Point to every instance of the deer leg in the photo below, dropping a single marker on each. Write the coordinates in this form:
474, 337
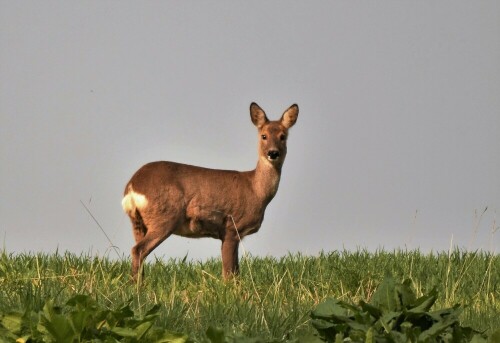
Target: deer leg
153, 237
230, 265
139, 231
139, 228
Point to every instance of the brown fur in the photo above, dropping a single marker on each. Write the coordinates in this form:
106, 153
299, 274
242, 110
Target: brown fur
164, 198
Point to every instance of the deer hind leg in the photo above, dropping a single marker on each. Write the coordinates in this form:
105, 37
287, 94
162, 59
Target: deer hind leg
138, 227
154, 236
139, 230
230, 264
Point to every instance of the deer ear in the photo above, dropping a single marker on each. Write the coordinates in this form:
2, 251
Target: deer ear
258, 115
290, 116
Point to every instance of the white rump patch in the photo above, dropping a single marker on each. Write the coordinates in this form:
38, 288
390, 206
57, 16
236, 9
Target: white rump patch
133, 201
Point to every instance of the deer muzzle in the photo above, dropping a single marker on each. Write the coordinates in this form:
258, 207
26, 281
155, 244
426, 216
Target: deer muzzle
273, 154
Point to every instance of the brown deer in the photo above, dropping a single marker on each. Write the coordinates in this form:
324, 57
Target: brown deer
164, 198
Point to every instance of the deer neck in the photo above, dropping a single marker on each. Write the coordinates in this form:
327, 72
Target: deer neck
266, 179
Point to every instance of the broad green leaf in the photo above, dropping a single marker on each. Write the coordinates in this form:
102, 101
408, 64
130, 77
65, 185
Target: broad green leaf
372, 310
421, 320
388, 320
142, 329
391, 296
82, 301
357, 335
101, 319
153, 310
425, 302
396, 336
122, 313
385, 297
55, 325
358, 326
12, 322
79, 320
170, 337
322, 324
6, 335
149, 318
58, 327
447, 312
405, 294
370, 336
124, 332
329, 308
436, 329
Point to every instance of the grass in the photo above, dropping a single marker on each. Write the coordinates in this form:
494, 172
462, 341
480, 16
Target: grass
272, 298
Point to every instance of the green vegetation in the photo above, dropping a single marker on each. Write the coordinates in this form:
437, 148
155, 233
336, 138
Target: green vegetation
271, 300
81, 320
394, 314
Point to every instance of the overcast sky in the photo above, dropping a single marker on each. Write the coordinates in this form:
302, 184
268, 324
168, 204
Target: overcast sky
397, 144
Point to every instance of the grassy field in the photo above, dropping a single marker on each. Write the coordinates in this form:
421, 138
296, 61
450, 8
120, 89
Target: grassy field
272, 298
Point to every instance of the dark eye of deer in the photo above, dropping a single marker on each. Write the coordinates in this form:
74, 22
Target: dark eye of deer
282, 137
264, 137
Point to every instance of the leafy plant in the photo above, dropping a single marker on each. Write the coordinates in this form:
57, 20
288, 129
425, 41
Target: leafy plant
394, 314
81, 320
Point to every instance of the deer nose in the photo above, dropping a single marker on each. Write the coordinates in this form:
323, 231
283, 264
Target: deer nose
273, 154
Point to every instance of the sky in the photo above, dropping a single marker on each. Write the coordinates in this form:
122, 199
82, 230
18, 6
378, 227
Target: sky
397, 144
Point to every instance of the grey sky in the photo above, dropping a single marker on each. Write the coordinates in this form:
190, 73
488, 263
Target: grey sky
397, 142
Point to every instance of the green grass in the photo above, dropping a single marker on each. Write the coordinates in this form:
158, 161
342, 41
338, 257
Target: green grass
272, 298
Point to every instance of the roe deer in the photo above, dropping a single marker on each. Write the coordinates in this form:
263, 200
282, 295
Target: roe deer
164, 198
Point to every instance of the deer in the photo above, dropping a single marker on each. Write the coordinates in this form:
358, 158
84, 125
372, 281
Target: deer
164, 198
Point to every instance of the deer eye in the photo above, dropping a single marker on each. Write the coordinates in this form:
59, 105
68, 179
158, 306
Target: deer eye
264, 137
282, 137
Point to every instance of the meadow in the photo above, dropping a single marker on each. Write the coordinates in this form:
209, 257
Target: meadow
272, 298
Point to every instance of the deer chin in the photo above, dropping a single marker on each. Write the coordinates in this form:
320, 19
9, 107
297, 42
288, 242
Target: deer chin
274, 162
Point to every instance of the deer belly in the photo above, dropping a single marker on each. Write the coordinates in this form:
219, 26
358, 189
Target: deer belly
202, 223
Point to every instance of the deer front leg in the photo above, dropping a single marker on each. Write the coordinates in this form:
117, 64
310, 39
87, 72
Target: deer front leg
230, 266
